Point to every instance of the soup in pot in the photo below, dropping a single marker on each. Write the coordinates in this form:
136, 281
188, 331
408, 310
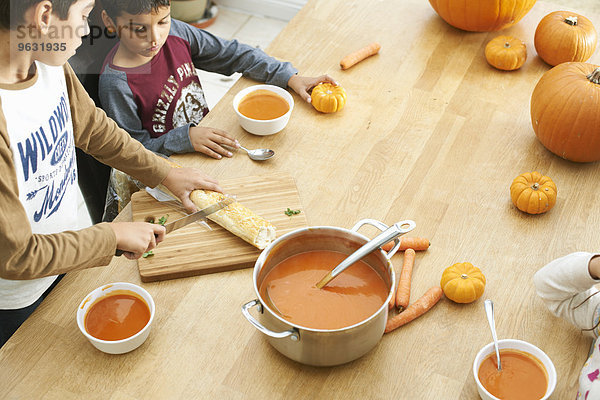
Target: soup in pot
351, 297
118, 315
523, 376
263, 104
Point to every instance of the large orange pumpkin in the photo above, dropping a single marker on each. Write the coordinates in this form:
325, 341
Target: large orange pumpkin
482, 15
563, 36
565, 111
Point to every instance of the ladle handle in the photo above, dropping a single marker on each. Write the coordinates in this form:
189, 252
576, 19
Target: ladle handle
489, 312
399, 228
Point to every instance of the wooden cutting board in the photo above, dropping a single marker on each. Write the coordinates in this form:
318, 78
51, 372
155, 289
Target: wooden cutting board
195, 250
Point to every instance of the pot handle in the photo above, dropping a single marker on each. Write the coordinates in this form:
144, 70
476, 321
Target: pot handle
293, 334
405, 226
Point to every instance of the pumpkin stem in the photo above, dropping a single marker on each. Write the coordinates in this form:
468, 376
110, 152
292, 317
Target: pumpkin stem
506, 45
594, 77
571, 21
464, 276
535, 186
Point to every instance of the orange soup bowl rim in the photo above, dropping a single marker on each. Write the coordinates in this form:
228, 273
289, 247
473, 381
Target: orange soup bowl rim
263, 127
115, 346
520, 345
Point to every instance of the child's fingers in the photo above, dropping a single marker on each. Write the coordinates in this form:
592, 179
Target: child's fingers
327, 78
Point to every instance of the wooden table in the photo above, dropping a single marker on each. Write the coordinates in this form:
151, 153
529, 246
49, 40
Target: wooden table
431, 133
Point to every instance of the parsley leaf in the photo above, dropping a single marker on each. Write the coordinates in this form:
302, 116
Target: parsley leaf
289, 212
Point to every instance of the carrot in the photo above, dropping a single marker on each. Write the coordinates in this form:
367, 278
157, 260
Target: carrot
415, 243
416, 309
359, 55
403, 291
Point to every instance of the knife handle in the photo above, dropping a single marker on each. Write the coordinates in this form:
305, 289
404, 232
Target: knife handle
120, 252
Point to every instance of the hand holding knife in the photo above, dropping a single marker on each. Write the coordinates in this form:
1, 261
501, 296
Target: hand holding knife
188, 219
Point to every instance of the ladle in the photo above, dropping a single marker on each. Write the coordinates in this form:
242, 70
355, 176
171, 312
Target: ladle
391, 233
489, 312
258, 154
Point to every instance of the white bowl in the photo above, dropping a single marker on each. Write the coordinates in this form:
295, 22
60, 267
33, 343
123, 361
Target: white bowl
517, 345
263, 127
115, 346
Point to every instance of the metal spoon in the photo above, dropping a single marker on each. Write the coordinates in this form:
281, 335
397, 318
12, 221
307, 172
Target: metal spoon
399, 228
489, 312
259, 154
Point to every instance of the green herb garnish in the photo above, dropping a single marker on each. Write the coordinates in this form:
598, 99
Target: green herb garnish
163, 220
289, 212
148, 254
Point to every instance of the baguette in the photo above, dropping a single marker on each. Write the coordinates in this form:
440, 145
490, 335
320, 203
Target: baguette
236, 218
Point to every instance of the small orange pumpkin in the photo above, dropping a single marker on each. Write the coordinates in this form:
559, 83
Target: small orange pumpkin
563, 36
564, 111
463, 282
328, 98
506, 53
533, 193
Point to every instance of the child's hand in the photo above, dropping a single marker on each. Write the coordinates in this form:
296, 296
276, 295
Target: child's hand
210, 141
182, 181
136, 238
302, 84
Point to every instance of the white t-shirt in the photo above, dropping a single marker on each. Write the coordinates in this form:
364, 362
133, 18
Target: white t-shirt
564, 284
38, 118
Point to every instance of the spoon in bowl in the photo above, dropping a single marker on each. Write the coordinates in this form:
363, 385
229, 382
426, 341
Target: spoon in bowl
258, 154
489, 312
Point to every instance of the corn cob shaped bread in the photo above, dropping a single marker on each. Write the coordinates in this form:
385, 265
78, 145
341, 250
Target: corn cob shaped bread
236, 218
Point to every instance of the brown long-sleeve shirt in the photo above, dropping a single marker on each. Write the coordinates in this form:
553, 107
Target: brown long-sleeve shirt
24, 255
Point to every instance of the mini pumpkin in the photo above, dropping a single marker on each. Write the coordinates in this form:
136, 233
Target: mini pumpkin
463, 282
328, 98
564, 36
506, 53
533, 193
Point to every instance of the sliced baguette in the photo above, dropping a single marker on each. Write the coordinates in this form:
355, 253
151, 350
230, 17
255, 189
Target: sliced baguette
236, 218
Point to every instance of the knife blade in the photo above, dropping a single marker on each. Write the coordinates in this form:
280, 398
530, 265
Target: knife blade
188, 219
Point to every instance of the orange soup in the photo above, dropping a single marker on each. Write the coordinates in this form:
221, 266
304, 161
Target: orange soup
263, 104
523, 376
353, 296
117, 316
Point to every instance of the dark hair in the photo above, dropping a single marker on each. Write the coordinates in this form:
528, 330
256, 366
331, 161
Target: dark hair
114, 8
12, 12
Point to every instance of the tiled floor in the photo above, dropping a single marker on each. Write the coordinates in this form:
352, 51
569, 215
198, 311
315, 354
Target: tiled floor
253, 30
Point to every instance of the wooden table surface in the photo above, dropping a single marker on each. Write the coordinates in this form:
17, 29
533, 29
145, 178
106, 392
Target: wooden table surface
431, 133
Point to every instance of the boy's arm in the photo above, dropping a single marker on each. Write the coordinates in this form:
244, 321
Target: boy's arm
118, 102
99, 136
26, 255
215, 54
564, 284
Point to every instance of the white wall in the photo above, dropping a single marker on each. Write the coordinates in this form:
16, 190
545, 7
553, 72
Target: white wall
280, 9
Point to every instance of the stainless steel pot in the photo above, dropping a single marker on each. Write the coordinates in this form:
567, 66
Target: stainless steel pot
322, 347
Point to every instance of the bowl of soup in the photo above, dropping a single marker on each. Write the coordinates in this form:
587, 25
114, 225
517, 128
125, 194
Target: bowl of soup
527, 372
263, 109
116, 318
321, 327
